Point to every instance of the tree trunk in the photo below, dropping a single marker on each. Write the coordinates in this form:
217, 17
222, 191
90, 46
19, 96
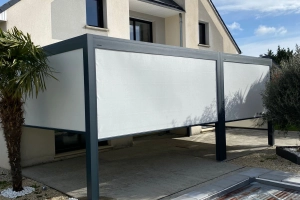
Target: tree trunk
11, 115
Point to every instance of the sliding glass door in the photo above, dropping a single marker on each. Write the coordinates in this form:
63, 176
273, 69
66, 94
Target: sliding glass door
140, 30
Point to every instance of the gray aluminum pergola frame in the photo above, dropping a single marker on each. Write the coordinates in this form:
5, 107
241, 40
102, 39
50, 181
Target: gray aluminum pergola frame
89, 43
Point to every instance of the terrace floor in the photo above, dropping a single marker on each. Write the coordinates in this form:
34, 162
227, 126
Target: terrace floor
157, 166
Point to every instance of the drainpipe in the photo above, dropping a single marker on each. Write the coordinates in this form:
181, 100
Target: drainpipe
180, 24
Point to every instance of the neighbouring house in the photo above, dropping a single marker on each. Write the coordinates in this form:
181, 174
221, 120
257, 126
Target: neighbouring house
188, 23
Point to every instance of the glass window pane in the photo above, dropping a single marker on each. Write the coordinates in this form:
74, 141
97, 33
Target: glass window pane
143, 31
137, 29
131, 30
202, 36
140, 30
92, 12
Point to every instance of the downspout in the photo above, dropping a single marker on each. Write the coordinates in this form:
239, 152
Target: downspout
180, 27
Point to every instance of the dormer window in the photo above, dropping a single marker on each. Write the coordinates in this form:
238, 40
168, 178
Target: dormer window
94, 13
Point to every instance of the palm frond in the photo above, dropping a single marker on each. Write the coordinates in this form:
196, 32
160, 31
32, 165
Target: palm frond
23, 65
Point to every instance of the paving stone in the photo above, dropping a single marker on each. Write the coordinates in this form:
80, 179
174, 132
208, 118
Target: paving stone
281, 173
237, 178
276, 175
255, 172
205, 192
225, 183
185, 197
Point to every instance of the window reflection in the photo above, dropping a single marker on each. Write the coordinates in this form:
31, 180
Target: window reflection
140, 30
94, 15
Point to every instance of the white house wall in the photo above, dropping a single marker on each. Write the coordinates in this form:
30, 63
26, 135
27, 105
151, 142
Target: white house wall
62, 19
34, 17
62, 105
190, 25
37, 146
141, 92
3, 152
118, 18
219, 39
68, 19
172, 30
243, 85
3, 26
216, 34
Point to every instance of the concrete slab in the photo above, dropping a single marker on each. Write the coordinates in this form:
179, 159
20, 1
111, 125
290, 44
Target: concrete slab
276, 175
225, 183
255, 172
157, 166
293, 179
185, 197
204, 192
151, 169
237, 178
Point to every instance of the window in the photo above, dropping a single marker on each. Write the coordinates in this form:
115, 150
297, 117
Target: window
203, 34
94, 13
140, 30
67, 141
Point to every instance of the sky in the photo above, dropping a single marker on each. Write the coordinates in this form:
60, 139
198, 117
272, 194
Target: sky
259, 25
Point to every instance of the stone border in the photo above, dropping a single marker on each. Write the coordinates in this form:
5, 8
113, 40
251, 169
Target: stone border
280, 151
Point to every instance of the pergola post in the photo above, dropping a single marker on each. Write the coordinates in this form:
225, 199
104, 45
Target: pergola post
220, 125
271, 139
92, 163
189, 131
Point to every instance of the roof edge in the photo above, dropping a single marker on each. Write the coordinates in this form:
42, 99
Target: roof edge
7, 5
178, 7
226, 28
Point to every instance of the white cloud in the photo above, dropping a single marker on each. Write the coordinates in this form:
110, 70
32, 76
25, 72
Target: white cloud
261, 47
265, 6
235, 26
265, 30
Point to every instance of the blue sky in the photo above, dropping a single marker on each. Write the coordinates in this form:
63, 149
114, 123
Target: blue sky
259, 25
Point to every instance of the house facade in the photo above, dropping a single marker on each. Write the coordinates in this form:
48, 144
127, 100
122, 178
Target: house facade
187, 23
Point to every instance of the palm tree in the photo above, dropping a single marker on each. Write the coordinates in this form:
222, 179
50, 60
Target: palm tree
23, 71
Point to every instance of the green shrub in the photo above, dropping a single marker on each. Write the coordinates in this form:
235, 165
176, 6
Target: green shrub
282, 95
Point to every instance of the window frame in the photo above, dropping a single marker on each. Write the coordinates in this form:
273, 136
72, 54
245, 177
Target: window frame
206, 33
100, 14
134, 20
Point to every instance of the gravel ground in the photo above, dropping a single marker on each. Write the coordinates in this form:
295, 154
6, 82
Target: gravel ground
267, 159
39, 194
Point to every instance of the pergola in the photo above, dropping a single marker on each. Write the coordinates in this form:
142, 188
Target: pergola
112, 88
